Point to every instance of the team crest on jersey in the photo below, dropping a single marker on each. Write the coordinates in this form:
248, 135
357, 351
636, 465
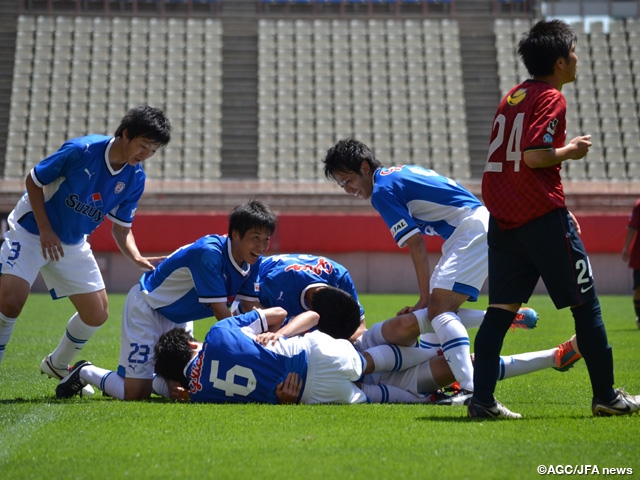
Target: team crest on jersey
398, 227
517, 96
547, 138
119, 187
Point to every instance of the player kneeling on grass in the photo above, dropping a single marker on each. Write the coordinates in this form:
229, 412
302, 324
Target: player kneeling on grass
195, 282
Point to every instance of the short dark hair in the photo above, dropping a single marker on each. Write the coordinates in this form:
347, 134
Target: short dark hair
172, 354
148, 122
253, 214
543, 44
347, 156
339, 312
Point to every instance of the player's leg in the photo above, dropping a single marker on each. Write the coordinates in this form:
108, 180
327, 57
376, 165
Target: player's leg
20, 261
394, 358
14, 292
512, 279
452, 335
91, 313
636, 295
566, 272
382, 393
77, 276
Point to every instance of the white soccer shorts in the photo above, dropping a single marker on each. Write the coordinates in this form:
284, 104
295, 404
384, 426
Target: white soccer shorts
77, 272
141, 329
464, 264
333, 366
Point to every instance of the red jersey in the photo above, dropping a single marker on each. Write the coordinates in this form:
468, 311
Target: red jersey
634, 222
530, 117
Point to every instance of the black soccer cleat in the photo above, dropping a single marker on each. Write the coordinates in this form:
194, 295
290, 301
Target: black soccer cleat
71, 385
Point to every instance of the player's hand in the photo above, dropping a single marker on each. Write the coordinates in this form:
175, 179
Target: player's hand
148, 263
289, 390
575, 223
579, 147
418, 306
51, 245
268, 338
625, 254
177, 392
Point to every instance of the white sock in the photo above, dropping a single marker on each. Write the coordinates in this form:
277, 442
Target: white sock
426, 382
6, 329
470, 318
160, 387
522, 363
429, 341
106, 380
393, 358
424, 322
389, 394
455, 347
73, 340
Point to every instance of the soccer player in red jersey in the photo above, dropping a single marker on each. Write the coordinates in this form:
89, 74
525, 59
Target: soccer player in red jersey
532, 235
633, 256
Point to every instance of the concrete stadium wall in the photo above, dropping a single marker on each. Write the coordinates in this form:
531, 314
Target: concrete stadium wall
360, 241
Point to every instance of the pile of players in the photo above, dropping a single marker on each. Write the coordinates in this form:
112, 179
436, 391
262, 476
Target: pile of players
289, 327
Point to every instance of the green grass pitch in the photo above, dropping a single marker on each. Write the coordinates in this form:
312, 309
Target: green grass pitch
98, 437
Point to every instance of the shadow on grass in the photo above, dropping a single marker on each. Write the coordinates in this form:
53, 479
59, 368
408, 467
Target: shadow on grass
75, 400
464, 419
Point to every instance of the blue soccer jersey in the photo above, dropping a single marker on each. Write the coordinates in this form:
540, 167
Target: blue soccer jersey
413, 199
232, 367
284, 280
196, 275
81, 188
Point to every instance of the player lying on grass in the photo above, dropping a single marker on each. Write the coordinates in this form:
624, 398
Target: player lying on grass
338, 317
232, 367
68, 195
422, 371
197, 281
289, 281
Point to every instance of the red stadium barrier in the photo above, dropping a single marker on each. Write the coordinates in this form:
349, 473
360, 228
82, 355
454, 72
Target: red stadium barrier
326, 233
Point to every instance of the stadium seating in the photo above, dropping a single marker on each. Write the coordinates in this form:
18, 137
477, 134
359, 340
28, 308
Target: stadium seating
394, 83
79, 75
602, 101
380, 81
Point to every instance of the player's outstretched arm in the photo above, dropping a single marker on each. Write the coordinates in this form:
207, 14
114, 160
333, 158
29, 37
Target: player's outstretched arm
127, 244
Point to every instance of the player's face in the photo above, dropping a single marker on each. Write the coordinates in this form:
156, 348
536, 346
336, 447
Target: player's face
357, 184
572, 64
138, 149
250, 247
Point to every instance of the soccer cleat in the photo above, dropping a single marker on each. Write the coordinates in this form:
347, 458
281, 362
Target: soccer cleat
72, 384
622, 404
638, 322
47, 368
566, 355
476, 409
461, 397
526, 318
